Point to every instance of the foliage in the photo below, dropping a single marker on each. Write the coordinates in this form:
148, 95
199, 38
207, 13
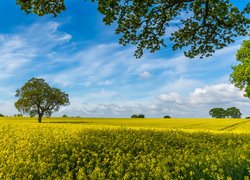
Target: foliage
203, 26
241, 72
36, 97
1, 115
247, 117
18, 115
138, 116
167, 116
33, 151
233, 112
141, 116
217, 113
64, 116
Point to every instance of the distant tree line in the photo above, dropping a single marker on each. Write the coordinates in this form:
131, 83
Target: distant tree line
18, 115
138, 116
143, 116
231, 112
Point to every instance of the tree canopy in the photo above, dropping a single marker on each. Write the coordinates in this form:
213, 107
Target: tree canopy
241, 72
201, 26
167, 116
137, 116
36, 97
233, 112
217, 113
134, 116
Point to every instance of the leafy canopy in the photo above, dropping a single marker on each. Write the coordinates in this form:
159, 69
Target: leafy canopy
217, 113
138, 116
202, 26
241, 72
233, 112
36, 97
134, 116
167, 116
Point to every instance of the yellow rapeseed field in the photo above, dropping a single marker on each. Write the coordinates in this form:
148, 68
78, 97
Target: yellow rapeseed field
99, 148
187, 124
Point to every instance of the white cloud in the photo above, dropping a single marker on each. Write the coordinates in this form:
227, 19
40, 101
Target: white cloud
171, 98
105, 83
103, 78
219, 93
144, 75
15, 53
45, 35
196, 104
20, 50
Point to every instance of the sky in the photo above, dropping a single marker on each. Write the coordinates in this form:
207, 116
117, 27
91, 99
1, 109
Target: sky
77, 53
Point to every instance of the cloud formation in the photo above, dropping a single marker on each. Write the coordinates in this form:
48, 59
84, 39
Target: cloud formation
104, 79
144, 75
196, 104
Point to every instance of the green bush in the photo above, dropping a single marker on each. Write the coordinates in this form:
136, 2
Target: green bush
141, 116
138, 116
18, 115
167, 116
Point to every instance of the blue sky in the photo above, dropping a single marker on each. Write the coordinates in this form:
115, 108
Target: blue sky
77, 53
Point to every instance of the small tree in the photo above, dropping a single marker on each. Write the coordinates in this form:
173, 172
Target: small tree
36, 97
141, 116
1, 115
233, 112
167, 116
64, 116
217, 113
134, 116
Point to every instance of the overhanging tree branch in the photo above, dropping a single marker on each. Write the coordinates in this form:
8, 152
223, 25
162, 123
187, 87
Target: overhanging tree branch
145, 23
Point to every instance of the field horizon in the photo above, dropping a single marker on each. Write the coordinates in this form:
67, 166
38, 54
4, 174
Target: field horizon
194, 124
124, 148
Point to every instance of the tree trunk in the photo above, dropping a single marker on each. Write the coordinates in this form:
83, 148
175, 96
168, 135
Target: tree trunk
40, 118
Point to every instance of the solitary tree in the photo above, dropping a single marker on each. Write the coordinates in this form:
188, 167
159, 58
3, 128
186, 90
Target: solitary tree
167, 116
241, 72
202, 26
217, 113
141, 116
134, 116
36, 97
233, 112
